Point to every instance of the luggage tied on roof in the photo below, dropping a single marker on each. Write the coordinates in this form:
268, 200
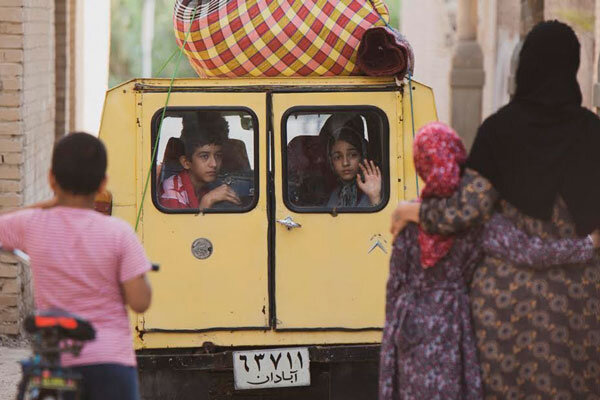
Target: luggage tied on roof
253, 38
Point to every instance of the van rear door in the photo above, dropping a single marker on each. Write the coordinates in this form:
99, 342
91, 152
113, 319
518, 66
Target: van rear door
214, 265
331, 261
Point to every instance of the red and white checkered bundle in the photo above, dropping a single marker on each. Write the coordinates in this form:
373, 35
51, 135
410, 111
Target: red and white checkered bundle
229, 38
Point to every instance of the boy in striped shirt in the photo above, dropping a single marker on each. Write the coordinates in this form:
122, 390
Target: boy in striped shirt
86, 263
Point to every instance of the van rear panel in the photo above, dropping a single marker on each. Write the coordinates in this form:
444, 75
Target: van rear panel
289, 266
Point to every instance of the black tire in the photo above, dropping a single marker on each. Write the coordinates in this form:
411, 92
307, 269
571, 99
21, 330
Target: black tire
21, 388
50, 394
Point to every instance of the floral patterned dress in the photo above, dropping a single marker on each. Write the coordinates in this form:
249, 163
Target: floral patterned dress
537, 327
428, 346
428, 349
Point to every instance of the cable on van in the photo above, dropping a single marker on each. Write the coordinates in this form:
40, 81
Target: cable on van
410, 89
412, 121
162, 117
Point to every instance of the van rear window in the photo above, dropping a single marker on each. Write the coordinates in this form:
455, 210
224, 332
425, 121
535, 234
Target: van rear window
335, 160
205, 160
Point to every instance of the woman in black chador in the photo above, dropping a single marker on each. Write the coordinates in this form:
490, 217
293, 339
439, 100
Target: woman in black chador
536, 162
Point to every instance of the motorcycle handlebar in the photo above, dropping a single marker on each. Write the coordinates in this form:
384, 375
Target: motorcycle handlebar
22, 255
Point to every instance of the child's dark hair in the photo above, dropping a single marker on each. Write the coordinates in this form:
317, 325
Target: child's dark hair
202, 128
79, 163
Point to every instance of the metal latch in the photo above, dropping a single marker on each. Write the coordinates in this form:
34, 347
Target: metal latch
289, 223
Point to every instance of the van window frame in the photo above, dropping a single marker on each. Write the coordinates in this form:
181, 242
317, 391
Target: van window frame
155, 121
385, 167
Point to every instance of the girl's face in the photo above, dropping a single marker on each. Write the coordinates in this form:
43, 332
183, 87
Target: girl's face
345, 159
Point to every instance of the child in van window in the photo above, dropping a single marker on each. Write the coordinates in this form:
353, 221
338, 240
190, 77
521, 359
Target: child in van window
85, 263
359, 179
197, 186
428, 349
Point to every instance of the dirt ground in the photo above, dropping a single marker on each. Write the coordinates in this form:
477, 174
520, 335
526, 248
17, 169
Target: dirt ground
11, 351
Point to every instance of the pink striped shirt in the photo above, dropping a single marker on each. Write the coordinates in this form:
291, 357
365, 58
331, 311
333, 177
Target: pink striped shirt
79, 258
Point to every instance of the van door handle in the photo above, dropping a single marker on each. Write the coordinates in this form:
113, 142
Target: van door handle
289, 223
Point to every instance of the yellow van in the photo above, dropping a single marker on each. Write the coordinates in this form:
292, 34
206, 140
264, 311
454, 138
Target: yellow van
280, 294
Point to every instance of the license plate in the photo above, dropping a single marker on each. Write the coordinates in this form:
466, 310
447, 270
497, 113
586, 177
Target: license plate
272, 368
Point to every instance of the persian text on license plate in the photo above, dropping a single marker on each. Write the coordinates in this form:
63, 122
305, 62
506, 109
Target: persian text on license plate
272, 368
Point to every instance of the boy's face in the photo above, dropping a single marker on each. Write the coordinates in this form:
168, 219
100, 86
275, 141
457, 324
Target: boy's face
205, 163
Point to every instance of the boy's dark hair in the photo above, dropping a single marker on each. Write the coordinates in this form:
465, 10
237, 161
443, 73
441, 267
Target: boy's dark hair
79, 163
202, 128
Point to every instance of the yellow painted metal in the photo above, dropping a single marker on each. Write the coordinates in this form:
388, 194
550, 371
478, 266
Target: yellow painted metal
424, 111
257, 338
118, 131
229, 289
324, 276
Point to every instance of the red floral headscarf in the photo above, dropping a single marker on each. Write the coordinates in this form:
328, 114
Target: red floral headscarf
438, 154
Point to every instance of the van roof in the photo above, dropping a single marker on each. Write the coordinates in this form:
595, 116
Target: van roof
263, 83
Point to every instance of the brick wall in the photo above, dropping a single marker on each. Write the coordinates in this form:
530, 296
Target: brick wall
72, 11
62, 57
27, 130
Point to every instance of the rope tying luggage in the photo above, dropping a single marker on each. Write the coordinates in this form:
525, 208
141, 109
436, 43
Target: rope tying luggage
162, 117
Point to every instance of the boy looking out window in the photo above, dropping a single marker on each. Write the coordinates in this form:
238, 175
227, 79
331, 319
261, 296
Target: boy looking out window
85, 263
197, 185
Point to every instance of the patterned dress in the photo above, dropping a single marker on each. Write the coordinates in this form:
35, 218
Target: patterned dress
538, 327
428, 346
428, 349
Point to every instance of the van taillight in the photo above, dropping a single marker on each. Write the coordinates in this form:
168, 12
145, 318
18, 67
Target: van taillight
103, 202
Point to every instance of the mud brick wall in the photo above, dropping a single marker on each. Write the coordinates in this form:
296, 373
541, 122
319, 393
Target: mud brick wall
64, 26
27, 131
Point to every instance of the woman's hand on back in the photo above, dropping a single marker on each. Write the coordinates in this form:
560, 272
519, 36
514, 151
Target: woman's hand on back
371, 186
405, 212
595, 236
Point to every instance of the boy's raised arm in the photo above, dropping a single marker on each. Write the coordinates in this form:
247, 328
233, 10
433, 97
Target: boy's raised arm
42, 204
12, 229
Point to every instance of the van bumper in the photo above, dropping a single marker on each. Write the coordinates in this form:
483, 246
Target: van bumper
348, 372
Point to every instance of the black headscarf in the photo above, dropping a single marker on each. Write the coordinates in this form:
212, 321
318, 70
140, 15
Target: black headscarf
543, 144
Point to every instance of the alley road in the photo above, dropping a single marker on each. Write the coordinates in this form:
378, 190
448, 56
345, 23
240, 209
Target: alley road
10, 371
